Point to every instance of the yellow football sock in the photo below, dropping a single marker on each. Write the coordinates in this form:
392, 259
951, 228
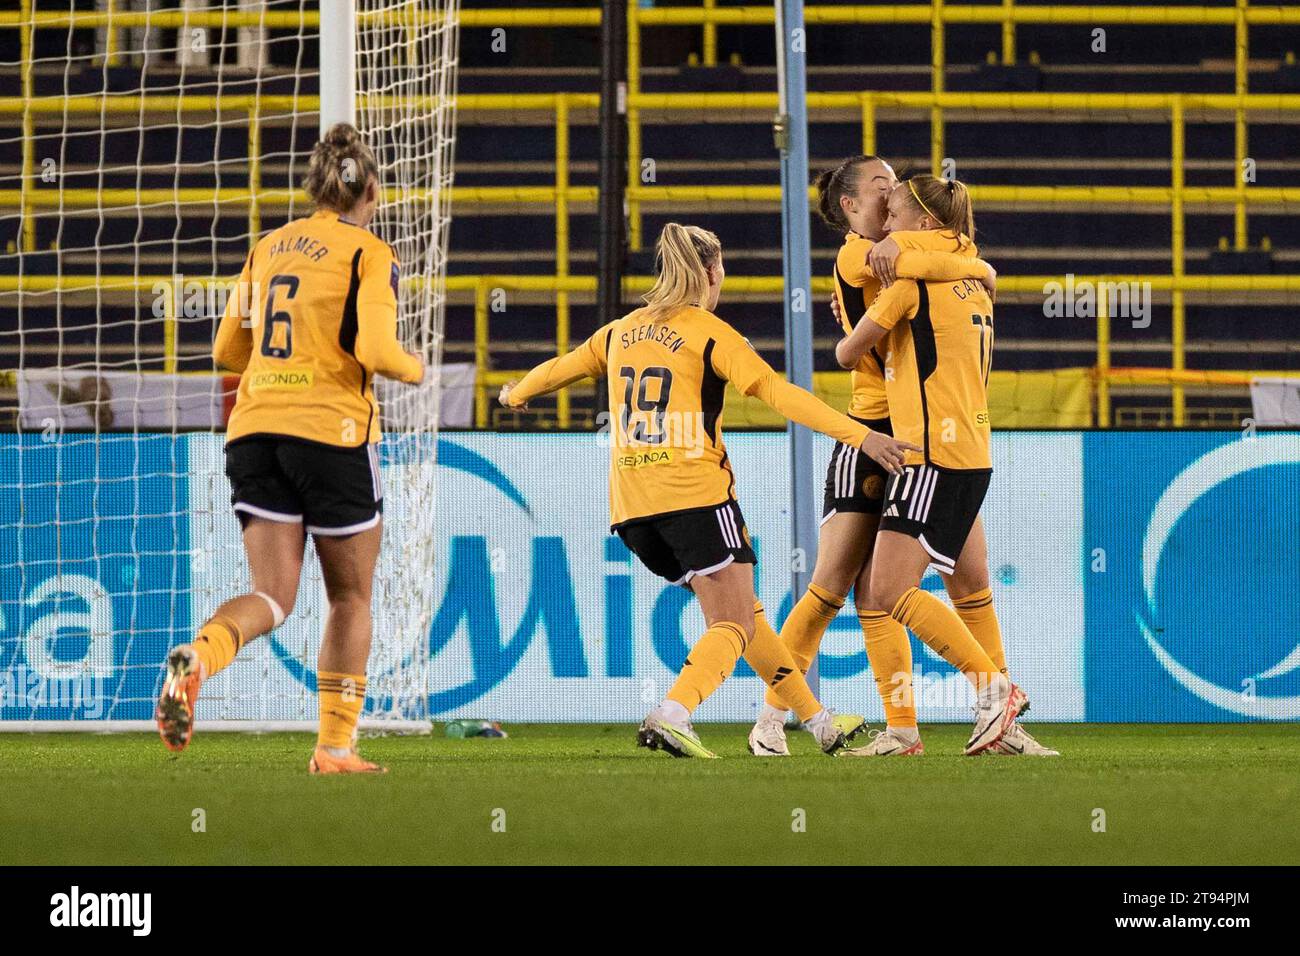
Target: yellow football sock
944, 633
976, 612
772, 661
218, 642
890, 654
341, 698
709, 663
804, 629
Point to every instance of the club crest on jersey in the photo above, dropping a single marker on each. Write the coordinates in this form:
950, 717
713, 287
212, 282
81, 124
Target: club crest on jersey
281, 381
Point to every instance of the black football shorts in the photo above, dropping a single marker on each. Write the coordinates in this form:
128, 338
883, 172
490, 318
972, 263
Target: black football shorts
937, 506
330, 490
687, 544
854, 481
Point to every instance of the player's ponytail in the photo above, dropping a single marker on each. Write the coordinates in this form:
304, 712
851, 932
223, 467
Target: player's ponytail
946, 201
683, 256
341, 167
834, 184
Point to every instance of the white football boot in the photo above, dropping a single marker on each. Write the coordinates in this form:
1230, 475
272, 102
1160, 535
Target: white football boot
767, 739
677, 738
1018, 743
994, 715
834, 731
887, 743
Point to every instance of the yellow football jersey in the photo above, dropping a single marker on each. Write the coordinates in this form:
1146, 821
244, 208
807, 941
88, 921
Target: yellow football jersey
923, 254
665, 376
313, 321
937, 355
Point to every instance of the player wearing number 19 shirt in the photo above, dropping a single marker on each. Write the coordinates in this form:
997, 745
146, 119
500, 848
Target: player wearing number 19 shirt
672, 489
312, 322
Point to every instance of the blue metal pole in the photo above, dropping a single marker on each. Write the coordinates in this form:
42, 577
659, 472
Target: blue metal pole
792, 141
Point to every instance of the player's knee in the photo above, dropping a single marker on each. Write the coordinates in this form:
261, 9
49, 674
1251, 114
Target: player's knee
883, 596
283, 594
835, 573
963, 582
350, 601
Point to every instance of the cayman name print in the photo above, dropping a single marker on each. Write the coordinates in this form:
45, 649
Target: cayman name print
77, 909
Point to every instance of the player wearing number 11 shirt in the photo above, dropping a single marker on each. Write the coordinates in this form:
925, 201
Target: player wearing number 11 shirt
672, 489
935, 342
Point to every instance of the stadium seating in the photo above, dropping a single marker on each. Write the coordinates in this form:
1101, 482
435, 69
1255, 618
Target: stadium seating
515, 146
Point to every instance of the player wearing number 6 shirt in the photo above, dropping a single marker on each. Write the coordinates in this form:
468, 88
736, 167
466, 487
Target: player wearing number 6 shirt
672, 489
935, 342
313, 321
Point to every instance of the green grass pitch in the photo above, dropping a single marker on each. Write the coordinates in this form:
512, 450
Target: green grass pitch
1171, 794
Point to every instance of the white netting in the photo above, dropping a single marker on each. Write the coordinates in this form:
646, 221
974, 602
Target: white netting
148, 150
406, 85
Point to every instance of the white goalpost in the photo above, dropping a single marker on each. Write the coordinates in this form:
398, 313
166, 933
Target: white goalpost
154, 147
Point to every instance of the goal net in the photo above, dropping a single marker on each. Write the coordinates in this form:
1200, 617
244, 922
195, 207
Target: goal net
152, 145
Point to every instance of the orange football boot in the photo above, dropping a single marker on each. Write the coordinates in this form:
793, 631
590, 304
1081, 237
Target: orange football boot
175, 711
322, 761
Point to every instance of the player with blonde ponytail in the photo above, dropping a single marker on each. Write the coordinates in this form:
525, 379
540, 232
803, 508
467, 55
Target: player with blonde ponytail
852, 200
671, 485
938, 340
301, 444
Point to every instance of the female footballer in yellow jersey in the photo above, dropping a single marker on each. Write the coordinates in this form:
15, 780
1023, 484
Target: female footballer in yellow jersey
852, 200
936, 343
671, 485
944, 210
313, 323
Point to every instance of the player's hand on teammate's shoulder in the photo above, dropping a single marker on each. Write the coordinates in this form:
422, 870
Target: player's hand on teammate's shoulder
835, 311
504, 397
887, 451
882, 258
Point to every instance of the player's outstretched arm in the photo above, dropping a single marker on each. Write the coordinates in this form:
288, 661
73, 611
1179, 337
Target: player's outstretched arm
586, 361
807, 409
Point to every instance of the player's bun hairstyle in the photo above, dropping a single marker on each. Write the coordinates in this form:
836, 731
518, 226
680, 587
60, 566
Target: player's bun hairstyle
341, 167
834, 184
946, 200
683, 256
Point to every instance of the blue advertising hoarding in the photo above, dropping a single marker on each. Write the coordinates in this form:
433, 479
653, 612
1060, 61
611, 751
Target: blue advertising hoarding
1192, 542
1137, 577
93, 572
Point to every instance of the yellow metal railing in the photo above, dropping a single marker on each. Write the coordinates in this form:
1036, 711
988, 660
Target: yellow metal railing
937, 102
1176, 196
708, 16
488, 379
